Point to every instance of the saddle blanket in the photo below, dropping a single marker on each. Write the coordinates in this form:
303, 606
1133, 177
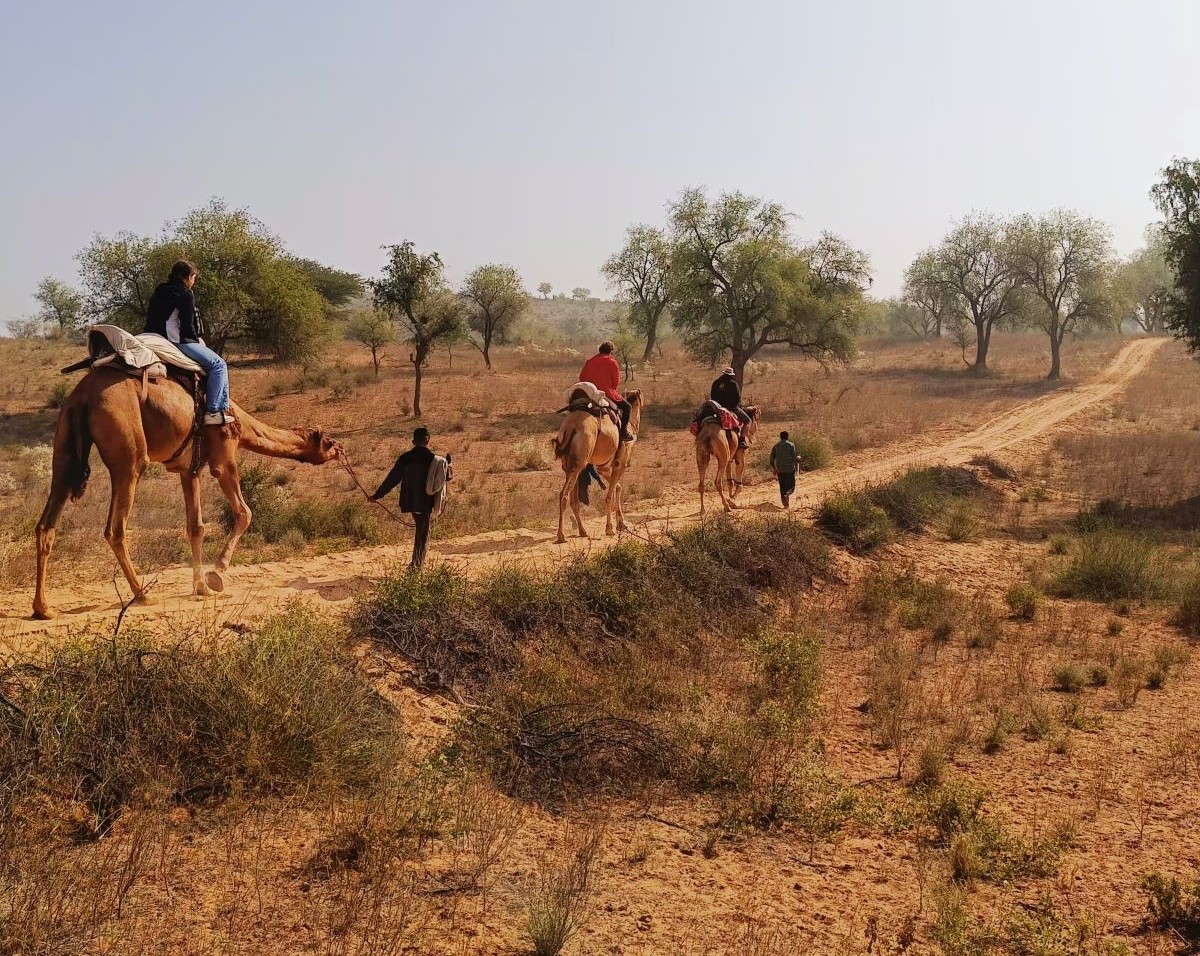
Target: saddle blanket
711, 411
594, 395
112, 345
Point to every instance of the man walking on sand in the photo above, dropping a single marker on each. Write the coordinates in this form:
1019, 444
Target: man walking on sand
411, 472
784, 459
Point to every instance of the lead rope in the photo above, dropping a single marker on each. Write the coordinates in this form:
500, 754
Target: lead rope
344, 460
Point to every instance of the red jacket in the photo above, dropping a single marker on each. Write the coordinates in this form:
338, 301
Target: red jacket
603, 372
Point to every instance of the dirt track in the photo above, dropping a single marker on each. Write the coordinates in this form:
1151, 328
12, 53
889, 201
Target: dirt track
335, 577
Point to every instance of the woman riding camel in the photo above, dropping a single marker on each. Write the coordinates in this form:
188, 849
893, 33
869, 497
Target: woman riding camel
172, 314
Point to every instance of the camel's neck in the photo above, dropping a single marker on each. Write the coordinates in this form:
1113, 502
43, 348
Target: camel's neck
271, 441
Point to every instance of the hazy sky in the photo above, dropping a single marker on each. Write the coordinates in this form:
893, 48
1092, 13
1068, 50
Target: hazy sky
535, 132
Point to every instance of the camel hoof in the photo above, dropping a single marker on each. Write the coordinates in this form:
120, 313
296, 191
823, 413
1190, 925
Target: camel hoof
145, 600
201, 590
44, 614
215, 582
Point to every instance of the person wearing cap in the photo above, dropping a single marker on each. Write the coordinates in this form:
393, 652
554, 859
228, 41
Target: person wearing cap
411, 472
784, 461
727, 393
603, 371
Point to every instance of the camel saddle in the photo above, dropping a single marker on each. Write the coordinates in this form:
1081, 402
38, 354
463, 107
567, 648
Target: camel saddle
710, 411
149, 357
586, 397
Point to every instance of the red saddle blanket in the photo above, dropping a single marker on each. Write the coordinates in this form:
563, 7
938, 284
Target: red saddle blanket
729, 422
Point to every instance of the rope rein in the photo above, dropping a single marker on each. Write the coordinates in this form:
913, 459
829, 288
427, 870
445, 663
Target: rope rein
343, 459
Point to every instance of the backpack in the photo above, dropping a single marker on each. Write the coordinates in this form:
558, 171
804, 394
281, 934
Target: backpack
437, 481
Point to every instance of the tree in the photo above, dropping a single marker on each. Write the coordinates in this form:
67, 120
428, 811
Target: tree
640, 271
119, 275
903, 316
1144, 284
580, 294
544, 289
974, 265
60, 305
1065, 261
495, 299
336, 287
738, 283
373, 329
925, 288
412, 291
1177, 196
248, 290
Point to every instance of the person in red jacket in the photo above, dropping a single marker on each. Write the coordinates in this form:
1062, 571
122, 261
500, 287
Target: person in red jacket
603, 371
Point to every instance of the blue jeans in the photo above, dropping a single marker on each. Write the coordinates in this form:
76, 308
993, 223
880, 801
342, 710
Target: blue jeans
216, 389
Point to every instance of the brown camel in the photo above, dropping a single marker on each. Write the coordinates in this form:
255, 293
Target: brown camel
713, 442
585, 439
106, 409
737, 468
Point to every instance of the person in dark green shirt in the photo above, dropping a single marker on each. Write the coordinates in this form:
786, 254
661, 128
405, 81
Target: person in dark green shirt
784, 460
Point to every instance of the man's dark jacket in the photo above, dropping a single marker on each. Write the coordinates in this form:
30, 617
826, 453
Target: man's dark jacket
409, 472
168, 297
725, 392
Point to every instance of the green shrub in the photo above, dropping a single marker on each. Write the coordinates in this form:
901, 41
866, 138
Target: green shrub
1174, 904
276, 518
814, 452
1187, 610
1113, 565
852, 519
961, 523
1023, 600
1069, 678
283, 707
919, 495
60, 393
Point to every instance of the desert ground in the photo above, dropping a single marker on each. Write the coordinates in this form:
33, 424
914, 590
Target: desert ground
964, 723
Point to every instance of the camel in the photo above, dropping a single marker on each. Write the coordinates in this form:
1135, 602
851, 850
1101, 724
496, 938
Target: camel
584, 439
714, 442
106, 409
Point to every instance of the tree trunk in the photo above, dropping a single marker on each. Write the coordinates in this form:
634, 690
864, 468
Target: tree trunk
651, 340
982, 340
375, 362
1055, 356
418, 362
737, 361
487, 351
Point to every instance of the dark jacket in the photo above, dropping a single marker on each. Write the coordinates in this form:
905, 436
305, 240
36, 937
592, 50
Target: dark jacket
725, 392
409, 472
167, 299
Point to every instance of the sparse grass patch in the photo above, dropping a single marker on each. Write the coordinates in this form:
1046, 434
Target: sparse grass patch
851, 518
813, 452
1023, 600
1174, 903
1112, 565
121, 721
1069, 678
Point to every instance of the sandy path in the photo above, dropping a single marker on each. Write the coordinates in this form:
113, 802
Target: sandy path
336, 577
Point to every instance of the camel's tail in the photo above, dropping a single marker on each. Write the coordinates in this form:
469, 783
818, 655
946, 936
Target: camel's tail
562, 441
75, 449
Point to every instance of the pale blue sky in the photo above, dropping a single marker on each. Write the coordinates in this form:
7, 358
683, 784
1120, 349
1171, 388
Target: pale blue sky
535, 132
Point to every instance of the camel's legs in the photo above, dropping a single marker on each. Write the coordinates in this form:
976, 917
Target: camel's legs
59, 492
575, 506
195, 529
124, 488
570, 482
702, 459
721, 478
226, 474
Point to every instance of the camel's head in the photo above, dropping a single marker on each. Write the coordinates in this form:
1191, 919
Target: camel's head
634, 397
320, 448
753, 411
